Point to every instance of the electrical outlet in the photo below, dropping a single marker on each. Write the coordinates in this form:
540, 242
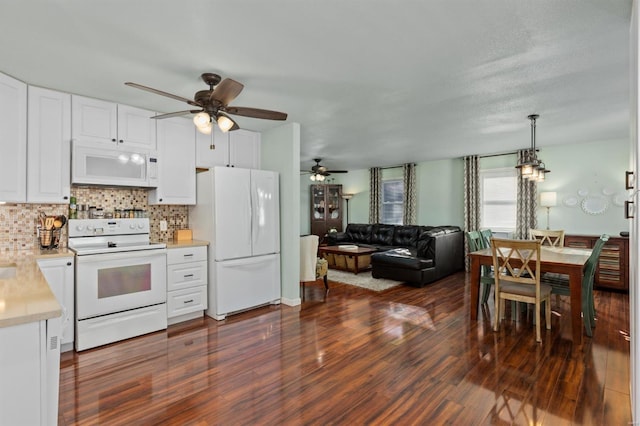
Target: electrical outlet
163, 225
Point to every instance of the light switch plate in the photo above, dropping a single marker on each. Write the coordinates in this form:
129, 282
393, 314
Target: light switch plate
163, 225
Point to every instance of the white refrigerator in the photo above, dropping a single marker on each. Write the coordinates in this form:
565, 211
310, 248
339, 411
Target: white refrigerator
238, 212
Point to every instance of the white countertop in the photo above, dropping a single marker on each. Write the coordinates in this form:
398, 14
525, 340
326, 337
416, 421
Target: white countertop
26, 296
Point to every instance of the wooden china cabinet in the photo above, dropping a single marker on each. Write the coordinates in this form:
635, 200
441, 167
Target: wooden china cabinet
326, 209
613, 265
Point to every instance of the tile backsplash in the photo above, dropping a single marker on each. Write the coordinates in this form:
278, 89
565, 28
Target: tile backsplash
18, 222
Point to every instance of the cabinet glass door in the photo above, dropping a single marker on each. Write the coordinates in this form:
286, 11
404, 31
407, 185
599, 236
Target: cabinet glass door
318, 202
333, 201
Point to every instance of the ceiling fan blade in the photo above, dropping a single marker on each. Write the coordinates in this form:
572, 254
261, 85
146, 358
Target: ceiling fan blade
175, 114
338, 171
161, 93
226, 91
257, 113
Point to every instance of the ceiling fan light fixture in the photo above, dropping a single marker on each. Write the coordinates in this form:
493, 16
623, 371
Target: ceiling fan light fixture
207, 129
201, 119
225, 123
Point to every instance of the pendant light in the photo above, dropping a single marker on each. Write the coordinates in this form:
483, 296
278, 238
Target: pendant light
530, 166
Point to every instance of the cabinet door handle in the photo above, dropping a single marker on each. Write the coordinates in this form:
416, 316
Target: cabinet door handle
113, 140
69, 263
628, 180
627, 214
189, 276
188, 301
121, 141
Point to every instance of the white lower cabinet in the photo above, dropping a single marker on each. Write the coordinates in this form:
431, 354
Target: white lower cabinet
30, 372
186, 283
59, 273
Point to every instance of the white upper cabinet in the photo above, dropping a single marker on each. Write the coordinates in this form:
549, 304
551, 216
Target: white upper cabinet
176, 163
13, 139
94, 120
239, 148
219, 155
48, 146
135, 127
244, 149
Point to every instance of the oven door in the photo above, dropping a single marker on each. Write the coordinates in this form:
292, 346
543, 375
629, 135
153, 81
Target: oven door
115, 282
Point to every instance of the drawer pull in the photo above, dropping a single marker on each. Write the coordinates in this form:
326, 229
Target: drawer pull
189, 276
188, 301
188, 255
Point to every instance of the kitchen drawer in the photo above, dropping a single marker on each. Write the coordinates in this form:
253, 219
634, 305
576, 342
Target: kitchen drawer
186, 275
186, 254
186, 301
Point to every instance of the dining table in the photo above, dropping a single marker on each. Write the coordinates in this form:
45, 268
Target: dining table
561, 260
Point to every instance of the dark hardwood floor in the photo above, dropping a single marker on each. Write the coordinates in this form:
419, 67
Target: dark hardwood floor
403, 356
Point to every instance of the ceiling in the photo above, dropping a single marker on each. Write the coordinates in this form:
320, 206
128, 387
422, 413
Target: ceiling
371, 82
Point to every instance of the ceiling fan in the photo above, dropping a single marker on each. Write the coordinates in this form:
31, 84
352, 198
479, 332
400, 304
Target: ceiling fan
214, 104
319, 173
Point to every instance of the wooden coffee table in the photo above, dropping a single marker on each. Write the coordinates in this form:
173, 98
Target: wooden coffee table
347, 259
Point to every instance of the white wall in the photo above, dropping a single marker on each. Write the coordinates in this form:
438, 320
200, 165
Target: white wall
280, 151
634, 272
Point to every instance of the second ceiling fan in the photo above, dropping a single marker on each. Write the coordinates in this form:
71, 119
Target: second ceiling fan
214, 105
319, 172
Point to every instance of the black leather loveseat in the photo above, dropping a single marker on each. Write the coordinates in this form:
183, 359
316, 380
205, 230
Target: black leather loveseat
414, 254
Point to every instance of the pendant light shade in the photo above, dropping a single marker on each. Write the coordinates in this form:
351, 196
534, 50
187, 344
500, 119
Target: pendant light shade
530, 166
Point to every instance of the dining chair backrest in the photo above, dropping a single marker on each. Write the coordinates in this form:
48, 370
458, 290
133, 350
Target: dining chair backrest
592, 263
554, 238
475, 242
486, 236
516, 260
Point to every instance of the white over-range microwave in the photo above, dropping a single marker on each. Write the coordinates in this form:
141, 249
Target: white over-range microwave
96, 165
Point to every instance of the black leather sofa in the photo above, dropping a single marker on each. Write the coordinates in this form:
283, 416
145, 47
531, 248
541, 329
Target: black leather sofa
417, 255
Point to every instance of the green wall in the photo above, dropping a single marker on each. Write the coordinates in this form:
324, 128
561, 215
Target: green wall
281, 152
596, 168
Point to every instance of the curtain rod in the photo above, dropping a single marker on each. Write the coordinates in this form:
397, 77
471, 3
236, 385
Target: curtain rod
394, 167
499, 155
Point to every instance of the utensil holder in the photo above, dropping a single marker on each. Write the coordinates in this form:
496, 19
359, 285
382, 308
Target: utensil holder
49, 238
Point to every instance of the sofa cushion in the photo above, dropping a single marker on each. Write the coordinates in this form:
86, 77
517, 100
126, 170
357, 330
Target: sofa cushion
401, 258
382, 234
359, 233
406, 236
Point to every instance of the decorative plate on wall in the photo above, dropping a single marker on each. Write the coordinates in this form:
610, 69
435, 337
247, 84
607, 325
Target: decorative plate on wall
583, 192
570, 201
608, 191
594, 205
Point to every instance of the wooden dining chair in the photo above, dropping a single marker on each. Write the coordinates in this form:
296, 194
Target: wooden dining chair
516, 266
477, 242
560, 285
554, 238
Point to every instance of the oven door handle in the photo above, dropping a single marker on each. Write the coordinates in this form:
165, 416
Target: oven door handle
136, 254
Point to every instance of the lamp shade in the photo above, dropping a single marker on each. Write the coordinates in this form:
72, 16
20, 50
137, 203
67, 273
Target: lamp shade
548, 199
347, 196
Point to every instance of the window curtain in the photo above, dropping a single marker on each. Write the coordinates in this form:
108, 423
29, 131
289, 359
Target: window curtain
526, 203
409, 215
471, 197
375, 195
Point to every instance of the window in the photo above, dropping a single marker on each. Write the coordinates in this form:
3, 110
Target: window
392, 201
498, 192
